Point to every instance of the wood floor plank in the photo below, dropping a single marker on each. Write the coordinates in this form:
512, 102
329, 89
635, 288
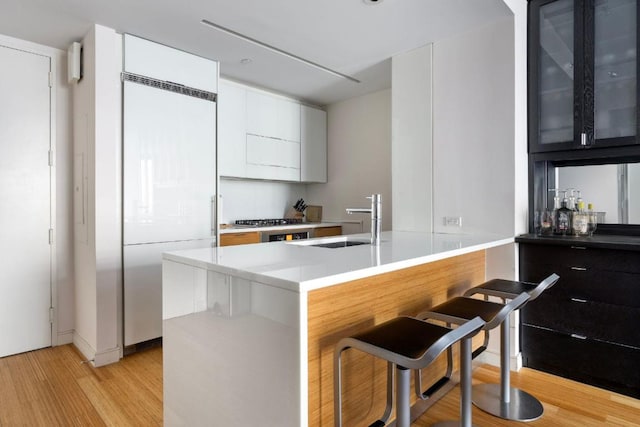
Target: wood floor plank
51, 387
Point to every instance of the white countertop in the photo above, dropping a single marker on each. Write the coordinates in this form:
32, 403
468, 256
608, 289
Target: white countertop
299, 267
303, 225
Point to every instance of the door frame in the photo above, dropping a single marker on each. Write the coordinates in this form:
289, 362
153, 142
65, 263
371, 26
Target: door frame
56, 58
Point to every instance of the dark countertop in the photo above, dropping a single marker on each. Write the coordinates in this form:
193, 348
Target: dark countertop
604, 241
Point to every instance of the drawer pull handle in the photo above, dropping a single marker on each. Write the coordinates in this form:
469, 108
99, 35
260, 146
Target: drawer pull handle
578, 300
579, 268
580, 337
578, 247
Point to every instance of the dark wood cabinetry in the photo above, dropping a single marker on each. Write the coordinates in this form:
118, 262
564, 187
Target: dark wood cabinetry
583, 69
587, 327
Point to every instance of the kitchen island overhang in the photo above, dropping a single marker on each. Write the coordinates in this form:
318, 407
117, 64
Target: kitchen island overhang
249, 330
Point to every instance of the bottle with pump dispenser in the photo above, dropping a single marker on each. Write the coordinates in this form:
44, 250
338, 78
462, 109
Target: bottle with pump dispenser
571, 200
563, 217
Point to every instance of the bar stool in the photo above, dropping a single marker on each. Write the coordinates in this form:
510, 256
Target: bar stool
409, 343
501, 399
457, 311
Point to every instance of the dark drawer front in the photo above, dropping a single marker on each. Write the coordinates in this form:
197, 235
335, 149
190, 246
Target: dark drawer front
580, 256
605, 322
605, 365
591, 284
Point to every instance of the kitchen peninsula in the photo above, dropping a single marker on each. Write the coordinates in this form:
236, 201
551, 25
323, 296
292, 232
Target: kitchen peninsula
249, 331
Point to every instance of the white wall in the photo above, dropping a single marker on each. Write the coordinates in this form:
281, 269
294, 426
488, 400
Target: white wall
359, 158
247, 199
473, 144
479, 156
63, 281
412, 140
97, 107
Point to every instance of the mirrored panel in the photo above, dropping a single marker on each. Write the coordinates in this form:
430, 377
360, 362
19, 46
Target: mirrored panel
613, 189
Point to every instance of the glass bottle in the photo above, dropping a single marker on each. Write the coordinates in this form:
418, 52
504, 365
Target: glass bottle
580, 220
563, 217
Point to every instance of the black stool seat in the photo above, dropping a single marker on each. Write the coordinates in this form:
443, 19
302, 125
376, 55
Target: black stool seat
408, 343
407, 338
504, 288
509, 289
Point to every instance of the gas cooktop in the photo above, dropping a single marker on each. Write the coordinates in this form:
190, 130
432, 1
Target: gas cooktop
267, 222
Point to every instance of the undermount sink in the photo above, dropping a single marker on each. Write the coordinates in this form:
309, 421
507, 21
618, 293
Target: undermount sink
343, 244
331, 242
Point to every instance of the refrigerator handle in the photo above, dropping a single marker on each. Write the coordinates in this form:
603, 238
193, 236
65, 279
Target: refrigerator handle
213, 215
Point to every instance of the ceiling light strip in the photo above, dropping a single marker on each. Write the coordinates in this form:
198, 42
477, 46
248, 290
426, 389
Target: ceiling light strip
276, 50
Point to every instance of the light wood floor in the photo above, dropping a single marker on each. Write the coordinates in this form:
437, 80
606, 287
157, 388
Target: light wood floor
51, 387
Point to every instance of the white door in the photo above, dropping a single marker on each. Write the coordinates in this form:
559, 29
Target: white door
25, 202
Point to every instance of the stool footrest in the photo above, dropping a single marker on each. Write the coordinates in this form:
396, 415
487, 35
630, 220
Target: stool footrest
426, 395
478, 351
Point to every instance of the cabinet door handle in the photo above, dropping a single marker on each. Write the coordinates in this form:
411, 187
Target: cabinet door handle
583, 139
578, 300
578, 247
579, 268
580, 337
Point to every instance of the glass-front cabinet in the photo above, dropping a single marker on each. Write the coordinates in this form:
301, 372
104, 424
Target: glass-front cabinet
583, 73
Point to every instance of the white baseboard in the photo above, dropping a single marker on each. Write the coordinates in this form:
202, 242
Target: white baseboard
491, 358
85, 348
65, 337
97, 359
106, 357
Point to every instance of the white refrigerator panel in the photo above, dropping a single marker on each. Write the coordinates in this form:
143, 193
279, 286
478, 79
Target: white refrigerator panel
168, 166
143, 288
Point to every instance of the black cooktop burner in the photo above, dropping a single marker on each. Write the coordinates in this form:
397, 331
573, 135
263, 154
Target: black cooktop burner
268, 222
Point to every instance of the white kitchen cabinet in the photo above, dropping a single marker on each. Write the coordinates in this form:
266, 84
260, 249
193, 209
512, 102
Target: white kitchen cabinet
269, 158
313, 144
146, 58
232, 130
272, 116
265, 136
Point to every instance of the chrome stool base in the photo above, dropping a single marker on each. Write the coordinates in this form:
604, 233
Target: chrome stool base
521, 406
450, 424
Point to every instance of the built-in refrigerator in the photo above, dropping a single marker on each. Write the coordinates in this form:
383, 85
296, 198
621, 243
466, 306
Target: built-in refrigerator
169, 186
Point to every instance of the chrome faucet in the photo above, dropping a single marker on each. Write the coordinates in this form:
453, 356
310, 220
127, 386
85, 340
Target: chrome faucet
376, 216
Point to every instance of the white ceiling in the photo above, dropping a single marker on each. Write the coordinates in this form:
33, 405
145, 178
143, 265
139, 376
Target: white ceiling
348, 36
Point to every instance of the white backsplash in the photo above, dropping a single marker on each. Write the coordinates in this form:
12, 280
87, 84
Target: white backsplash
248, 199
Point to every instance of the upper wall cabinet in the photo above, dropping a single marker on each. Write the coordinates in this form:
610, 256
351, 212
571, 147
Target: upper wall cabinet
583, 74
164, 63
265, 136
313, 144
272, 117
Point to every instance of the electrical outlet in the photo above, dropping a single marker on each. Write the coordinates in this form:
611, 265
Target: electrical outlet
453, 221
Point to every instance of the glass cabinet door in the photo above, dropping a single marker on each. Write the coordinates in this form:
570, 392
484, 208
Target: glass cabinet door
556, 72
615, 74
583, 74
